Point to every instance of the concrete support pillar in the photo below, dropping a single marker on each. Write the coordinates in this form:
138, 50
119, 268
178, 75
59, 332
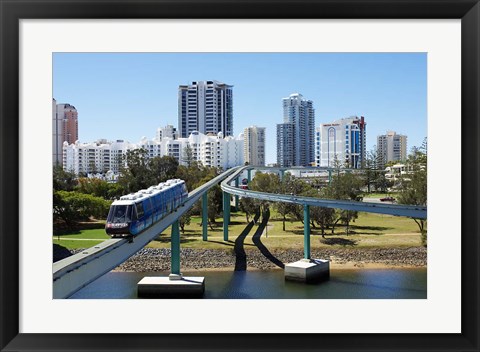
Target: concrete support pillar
306, 231
205, 216
175, 249
226, 214
329, 176
307, 269
249, 175
236, 197
282, 174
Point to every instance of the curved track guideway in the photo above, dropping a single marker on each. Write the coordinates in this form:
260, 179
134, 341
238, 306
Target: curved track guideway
412, 211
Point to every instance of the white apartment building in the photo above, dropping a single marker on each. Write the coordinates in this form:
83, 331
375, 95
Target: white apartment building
96, 157
102, 156
343, 140
254, 145
391, 147
217, 151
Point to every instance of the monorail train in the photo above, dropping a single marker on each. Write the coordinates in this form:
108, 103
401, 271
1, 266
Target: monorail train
134, 213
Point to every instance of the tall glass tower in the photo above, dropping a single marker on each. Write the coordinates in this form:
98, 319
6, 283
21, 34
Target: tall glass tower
299, 128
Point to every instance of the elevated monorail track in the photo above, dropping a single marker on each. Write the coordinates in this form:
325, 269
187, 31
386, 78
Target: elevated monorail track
411, 211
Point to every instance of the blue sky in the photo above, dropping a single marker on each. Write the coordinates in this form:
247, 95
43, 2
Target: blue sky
129, 95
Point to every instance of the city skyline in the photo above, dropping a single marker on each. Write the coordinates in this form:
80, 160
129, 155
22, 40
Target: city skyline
112, 90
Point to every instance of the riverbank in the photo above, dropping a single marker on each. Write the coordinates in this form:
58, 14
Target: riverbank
158, 259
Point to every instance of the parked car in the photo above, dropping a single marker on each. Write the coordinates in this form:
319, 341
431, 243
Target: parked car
387, 199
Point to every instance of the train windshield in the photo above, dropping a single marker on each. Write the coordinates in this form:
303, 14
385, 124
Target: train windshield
120, 214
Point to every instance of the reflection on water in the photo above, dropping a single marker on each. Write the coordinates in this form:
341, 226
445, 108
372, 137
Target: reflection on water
366, 283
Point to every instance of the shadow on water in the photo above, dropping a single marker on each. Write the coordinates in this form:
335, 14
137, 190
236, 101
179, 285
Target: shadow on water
264, 250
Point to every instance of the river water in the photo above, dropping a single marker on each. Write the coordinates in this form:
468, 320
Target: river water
344, 283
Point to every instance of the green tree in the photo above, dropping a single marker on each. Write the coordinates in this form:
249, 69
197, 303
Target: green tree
293, 186
249, 206
215, 203
139, 172
413, 185
162, 168
196, 173
346, 186
382, 183
323, 217
63, 180
185, 219
370, 168
93, 186
100, 188
71, 207
115, 191
135, 172
187, 156
284, 209
265, 182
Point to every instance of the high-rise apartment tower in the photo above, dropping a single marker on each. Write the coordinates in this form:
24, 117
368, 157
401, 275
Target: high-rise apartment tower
64, 128
206, 107
298, 129
254, 145
391, 147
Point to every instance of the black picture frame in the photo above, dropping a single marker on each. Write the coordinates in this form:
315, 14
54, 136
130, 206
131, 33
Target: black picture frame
11, 11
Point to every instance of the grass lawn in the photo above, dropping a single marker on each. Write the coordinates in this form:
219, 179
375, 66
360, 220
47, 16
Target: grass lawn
81, 239
369, 230
74, 244
84, 234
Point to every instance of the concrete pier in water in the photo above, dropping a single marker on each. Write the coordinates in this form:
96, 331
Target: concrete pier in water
308, 270
171, 287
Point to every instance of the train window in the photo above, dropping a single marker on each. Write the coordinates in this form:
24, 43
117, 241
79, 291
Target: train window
158, 204
140, 211
134, 213
148, 205
120, 214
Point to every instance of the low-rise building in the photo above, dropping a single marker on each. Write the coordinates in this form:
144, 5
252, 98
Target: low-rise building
103, 156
